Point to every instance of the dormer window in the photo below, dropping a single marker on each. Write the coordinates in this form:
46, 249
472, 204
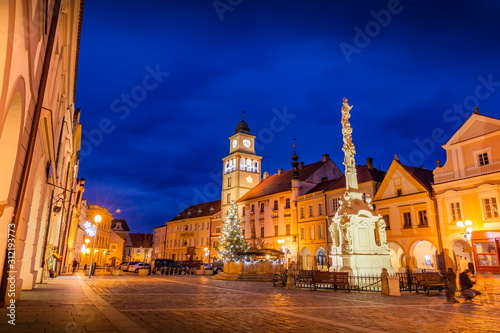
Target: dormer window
483, 159
399, 192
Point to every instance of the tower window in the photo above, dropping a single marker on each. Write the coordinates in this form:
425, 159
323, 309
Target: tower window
229, 182
229, 198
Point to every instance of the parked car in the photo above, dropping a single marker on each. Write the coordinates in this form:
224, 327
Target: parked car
135, 267
126, 265
167, 266
123, 266
214, 266
192, 263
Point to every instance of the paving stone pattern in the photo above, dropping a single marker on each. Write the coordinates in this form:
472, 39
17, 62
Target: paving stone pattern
131, 303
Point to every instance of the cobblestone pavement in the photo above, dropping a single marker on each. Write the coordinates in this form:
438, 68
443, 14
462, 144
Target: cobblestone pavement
130, 302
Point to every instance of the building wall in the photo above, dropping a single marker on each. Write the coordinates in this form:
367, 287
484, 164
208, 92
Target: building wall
37, 101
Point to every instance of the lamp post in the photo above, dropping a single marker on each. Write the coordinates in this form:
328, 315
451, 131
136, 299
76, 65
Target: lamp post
97, 219
467, 232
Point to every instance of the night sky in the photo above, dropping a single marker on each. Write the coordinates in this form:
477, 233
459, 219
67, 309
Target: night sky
162, 85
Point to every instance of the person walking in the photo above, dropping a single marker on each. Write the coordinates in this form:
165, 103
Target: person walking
466, 285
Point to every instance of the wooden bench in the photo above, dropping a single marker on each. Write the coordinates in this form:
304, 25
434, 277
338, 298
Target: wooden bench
428, 281
331, 280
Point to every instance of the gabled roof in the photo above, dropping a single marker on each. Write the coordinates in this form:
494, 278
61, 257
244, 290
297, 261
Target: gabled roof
280, 182
119, 225
475, 126
200, 210
364, 175
425, 177
140, 240
419, 179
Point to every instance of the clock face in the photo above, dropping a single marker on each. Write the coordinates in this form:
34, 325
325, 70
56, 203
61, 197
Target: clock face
246, 143
235, 143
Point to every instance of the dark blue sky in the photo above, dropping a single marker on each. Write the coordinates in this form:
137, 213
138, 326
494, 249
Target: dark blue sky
162, 84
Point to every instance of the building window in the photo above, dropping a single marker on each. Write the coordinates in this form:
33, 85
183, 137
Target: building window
456, 213
217, 230
288, 229
302, 233
422, 218
311, 232
243, 211
311, 213
262, 207
406, 220
302, 216
275, 206
229, 182
262, 232
483, 159
276, 230
399, 192
336, 204
287, 203
321, 229
490, 208
320, 209
387, 221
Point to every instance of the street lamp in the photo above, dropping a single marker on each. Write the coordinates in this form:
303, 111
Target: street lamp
97, 219
467, 228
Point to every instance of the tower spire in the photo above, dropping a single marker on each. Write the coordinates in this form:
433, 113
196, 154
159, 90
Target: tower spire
348, 147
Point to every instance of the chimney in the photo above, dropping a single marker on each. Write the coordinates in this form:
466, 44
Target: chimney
369, 163
280, 171
301, 165
266, 174
325, 157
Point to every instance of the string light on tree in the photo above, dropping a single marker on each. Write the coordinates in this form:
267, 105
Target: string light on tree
231, 240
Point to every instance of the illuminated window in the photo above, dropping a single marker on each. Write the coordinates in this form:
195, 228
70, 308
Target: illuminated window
483, 159
311, 214
455, 212
311, 232
490, 208
302, 212
302, 233
321, 232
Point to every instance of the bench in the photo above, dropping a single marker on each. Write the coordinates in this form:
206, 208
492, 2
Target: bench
428, 281
331, 280
302, 278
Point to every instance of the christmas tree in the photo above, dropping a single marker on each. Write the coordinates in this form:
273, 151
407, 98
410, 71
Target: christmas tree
231, 240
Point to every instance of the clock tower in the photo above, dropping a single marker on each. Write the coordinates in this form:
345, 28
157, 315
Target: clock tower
241, 168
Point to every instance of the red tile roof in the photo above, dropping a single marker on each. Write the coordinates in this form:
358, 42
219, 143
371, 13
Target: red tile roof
204, 209
122, 223
364, 175
424, 176
138, 240
280, 182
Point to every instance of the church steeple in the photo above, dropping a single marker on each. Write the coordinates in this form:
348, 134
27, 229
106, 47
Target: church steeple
242, 126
